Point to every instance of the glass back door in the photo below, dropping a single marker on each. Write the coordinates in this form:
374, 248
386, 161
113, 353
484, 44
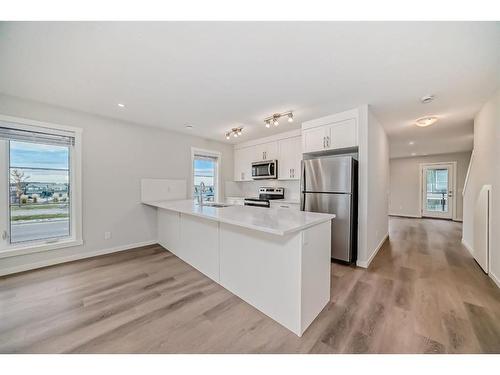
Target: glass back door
437, 194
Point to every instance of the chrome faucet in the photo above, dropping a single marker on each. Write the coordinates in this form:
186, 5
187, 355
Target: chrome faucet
202, 190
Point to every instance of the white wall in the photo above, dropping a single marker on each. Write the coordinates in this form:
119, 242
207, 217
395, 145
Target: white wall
373, 186
116, 155
485, 169
405, 182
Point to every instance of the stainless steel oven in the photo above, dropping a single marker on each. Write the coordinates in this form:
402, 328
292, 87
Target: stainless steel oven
265, 169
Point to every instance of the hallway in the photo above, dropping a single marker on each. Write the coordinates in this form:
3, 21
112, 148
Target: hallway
441, 301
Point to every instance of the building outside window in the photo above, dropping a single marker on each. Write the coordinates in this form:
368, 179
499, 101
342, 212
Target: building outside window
205, 172
39, 186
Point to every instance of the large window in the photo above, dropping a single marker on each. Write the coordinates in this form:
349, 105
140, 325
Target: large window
205, 175
39, 190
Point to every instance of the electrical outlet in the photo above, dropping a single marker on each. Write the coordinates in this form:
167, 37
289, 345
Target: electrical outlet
107, 235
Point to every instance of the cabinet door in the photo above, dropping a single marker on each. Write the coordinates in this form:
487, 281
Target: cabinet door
238, 163
243, 164
290, 155
343, 134
266, 151
314, 139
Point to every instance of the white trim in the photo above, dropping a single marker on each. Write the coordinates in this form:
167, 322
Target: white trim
495, 279
272, 138
366, 264
24, 121
406, 215
337, 117
70, 258
76, 190
38, 247
468, 247
454, 187
218, 168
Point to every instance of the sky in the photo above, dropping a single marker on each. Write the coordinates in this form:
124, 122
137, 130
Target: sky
204, 170
34, 155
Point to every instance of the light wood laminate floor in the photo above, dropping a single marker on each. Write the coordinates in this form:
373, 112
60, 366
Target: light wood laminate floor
423, 293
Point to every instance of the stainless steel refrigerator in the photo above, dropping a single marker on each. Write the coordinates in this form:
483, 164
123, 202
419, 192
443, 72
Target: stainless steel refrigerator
329, 185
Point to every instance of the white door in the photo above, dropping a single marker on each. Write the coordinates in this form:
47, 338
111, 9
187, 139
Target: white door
437, 190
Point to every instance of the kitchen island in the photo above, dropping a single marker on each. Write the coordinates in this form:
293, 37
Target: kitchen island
277, 260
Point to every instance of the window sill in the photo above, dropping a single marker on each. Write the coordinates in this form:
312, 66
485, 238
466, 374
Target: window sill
38, 248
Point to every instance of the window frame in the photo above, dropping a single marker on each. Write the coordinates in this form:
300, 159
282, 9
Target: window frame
217, 178
76, 235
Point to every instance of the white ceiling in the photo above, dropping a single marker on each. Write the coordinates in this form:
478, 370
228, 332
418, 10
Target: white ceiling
216, 75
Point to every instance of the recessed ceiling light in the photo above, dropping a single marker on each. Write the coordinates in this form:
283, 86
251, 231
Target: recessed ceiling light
426, 121
411, 143
427, 99
121, 105
413, 154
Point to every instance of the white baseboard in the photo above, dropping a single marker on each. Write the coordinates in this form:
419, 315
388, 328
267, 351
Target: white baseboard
366, 264
50, 262
495, 279
404, 215
468, 247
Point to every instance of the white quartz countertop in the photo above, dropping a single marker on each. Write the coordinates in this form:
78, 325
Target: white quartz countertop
280, 221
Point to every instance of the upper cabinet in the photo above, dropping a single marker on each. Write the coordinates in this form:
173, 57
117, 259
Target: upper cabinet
285, 147
290, 156
330, 133
243, 158
266, 151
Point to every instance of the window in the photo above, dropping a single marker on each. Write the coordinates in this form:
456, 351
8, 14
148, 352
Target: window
39, 186
205, 174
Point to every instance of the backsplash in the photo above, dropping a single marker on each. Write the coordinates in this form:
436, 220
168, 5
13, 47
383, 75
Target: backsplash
250, 188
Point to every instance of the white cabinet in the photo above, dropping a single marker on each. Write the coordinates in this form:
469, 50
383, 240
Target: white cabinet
285, 147
330, 133
343, 134
292, 206
266, 151
289, 158
243, 164
314, 139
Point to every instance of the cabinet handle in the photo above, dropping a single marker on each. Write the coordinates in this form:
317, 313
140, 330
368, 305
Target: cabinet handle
293, 172
328, 141
324, 140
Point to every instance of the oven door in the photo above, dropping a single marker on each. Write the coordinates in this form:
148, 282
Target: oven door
265, 170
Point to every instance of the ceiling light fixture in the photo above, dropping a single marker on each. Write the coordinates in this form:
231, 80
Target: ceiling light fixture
235, 132
413, 154
411, 143
189, 127
121, 105
276, 116
426, 121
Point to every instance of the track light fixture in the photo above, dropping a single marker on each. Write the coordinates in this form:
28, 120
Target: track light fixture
235, 132
276, 116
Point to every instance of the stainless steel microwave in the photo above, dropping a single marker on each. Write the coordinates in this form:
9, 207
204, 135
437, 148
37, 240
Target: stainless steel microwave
267, 169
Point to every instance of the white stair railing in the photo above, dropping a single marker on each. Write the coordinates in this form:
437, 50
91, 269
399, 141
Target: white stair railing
468, 173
